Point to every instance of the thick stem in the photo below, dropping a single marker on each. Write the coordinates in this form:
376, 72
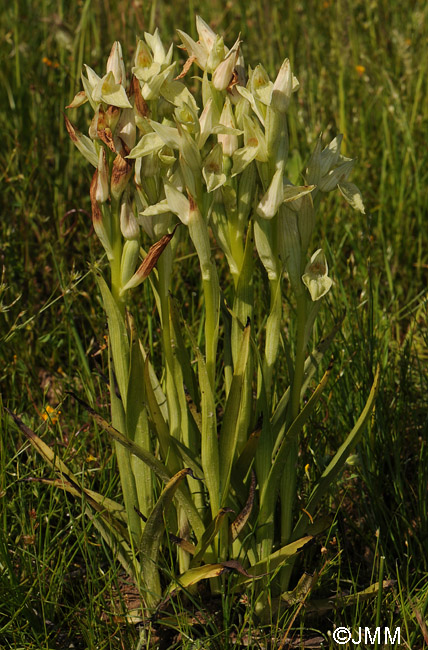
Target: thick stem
299, 364
118, 406
289, 478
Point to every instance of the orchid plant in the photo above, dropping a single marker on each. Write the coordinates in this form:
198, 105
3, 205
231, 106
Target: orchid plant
206, 444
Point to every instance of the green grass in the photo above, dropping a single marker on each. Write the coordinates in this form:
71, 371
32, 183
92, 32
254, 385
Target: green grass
58, 582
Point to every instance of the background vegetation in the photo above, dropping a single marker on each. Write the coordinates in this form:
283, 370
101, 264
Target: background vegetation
362, 66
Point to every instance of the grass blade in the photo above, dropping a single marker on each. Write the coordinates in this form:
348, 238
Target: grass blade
336, 464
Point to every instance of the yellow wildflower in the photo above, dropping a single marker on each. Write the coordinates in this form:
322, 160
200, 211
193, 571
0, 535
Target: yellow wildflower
51, 414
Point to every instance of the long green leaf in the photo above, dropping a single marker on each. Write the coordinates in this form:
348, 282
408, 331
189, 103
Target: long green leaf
152, 537
210, 533
275, 560
209, 444
113, 507
137, 426
230, 425
161, 427
205, 572
153, 463
118, 338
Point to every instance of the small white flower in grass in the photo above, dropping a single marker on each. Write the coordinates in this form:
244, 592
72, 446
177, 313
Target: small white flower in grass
315, 277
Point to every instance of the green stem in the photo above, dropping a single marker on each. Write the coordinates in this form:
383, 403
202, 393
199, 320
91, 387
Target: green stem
289, 478
118, 406
299, 365
116, 239
273, 334
174, 411
211, 329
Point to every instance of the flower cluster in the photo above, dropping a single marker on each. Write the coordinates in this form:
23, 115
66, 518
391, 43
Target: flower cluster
222, 160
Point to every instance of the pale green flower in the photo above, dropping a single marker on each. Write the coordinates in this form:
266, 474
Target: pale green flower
223, 74
316, 277
212, 169
285, 85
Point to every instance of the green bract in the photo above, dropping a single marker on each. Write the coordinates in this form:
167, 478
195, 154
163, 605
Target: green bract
207, 440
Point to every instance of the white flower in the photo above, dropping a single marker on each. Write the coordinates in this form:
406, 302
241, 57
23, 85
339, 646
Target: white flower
316, 277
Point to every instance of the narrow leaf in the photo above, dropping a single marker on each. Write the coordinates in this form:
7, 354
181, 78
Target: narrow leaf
153, 463
238, 524
275, 560
152, 537
82, 142
150, 261
210, 533
118, 338
230, 424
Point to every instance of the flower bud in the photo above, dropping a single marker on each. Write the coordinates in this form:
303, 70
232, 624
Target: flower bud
217, 54
120, 174
126, 130
223, 73
261, 85
128, 223
101, 218
102, 191
142, 61
129, 259
115, 64
285, 84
